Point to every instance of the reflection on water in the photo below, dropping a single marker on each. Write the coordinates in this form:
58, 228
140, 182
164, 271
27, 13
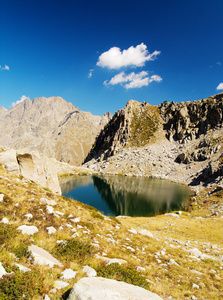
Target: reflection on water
122, 195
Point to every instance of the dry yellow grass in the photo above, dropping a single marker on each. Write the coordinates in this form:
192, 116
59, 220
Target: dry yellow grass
173, 238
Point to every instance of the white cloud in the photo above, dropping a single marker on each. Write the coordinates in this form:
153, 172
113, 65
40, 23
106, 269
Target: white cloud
220, 86
137, 56
22, 98
4, 68
133, 80
90, 73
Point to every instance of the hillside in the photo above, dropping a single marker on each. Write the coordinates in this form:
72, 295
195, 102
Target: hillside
53, 126
47, 242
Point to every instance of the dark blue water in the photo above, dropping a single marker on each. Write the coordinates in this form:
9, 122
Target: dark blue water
122, 195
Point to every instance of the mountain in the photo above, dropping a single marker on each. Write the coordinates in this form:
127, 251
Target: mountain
52, 126
182, 142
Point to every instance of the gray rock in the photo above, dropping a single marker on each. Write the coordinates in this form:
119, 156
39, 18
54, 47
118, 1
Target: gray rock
42, 257
98, 288
5, 221
58, 284
26, 229
68, 274
172, 215
2, 271
89, 271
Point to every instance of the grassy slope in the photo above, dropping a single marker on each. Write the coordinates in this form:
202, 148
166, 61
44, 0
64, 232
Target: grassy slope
172, 238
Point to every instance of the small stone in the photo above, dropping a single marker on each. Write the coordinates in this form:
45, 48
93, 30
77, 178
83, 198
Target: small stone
28, 216
76, 220
51, 230
49, 209
58, 284
172, 215
5, 221
46, 297
140, 269
48, 202
132, 231
30, 230
2, 270
1, 197
195, 286
172, 262
145, 232
197, 253
68, 274
89, 271
22, 268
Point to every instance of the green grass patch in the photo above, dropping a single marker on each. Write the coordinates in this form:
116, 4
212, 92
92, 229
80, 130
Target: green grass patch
73, 249
20, 285
122, 273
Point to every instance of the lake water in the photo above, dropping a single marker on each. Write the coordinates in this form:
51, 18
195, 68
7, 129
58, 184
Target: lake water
122, 195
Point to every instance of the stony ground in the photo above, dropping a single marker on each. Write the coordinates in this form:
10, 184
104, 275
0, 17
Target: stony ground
158, 159
177, 255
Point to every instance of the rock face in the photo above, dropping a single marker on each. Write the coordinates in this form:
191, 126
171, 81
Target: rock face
182, 142
188, 120
34, 166
98, 288
52, 126
135, 125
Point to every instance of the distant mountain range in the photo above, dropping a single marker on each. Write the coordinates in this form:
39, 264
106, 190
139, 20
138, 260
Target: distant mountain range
52, 126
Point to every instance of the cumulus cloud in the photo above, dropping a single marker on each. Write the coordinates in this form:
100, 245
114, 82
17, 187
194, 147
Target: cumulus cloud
137, 56
22, 98
90, 73
220, 86
133, 80
4, 68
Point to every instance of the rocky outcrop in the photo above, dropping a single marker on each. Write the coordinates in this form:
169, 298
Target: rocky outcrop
188, 120
40, 169
52, 126
98, 288
135, 125
34, 166
182, 142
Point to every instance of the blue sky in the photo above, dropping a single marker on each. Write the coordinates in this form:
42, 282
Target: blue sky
100, 54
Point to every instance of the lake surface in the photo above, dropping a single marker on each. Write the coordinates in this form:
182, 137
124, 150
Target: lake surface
122, 195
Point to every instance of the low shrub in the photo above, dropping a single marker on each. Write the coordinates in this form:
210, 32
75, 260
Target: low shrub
21, 285
122, 273
72, 249
97, 215
7, 232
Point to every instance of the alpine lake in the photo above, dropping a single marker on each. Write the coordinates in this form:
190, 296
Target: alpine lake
115, 195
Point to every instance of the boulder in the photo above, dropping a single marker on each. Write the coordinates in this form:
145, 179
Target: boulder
42, 170
98, 288
42, 257
9, 161
26, 229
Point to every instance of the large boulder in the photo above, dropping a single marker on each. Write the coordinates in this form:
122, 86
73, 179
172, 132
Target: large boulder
98, 288
41, 169
34, 166
9, 161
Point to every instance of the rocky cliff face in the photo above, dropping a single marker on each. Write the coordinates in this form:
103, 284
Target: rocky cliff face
135, 125
182, 142
52, 126
188, 120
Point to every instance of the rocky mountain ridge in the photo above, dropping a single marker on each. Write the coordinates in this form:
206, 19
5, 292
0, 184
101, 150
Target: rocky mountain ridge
182, 142
53, 126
